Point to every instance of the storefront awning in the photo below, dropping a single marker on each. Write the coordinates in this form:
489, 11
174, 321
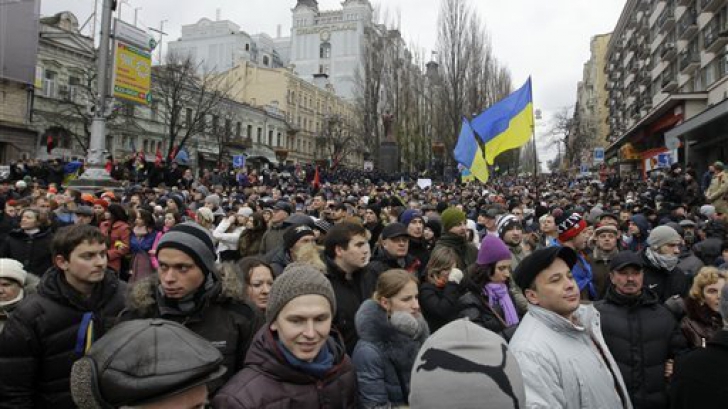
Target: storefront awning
704, 118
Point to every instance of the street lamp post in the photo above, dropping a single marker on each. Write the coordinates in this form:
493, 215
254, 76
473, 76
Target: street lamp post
95, 177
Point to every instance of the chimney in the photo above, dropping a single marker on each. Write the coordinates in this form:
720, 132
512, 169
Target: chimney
278, 31
217, 15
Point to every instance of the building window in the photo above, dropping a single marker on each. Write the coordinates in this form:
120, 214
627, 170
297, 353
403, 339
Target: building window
260, 134
325, 50
266, 60
249, 132
50, 85
247, 47
188, 117
279, 139
238, 129
270, 137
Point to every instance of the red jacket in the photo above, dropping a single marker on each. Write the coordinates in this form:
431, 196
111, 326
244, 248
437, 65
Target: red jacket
119, 235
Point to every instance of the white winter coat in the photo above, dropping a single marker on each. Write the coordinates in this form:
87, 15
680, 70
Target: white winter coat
561, 366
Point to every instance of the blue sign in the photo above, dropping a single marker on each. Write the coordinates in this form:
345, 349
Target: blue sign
664, 160
238, 161
598, 155
584, 169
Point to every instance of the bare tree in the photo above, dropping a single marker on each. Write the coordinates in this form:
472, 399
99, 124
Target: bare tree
186, 99
73, 110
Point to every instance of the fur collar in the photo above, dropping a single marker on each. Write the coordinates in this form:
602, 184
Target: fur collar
373, 325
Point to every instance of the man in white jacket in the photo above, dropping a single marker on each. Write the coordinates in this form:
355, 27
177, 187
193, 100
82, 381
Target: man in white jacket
559, 344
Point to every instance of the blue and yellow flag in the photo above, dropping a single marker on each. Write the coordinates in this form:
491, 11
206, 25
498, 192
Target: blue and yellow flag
468, 153
506, 125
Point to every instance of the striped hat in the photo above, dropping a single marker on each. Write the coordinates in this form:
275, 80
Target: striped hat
193, 240
505, 223
569, 227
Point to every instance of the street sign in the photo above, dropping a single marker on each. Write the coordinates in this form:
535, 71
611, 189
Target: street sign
664, 160
598, 155
238, 161
133, 35
584, 168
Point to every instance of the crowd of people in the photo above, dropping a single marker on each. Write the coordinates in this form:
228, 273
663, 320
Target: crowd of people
268, 289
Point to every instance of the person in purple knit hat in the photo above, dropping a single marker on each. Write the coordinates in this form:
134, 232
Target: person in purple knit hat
487, 300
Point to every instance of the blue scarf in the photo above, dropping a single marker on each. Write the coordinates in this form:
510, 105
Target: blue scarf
317, 368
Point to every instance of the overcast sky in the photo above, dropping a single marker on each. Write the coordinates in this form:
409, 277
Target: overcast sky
548, 40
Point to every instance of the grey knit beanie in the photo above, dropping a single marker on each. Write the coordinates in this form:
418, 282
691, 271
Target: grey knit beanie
465, 366
661, 235
298, 279
193, 240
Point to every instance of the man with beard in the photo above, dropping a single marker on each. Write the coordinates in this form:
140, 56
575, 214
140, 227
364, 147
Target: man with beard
510, 231
573, 233
641, 333
604, 251
454, 236
660, 259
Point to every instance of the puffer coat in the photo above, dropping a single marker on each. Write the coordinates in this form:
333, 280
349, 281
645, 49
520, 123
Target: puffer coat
34, 251
641, 335
39, 343
384, 357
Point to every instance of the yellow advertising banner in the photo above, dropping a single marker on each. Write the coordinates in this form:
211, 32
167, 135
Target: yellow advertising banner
132, 73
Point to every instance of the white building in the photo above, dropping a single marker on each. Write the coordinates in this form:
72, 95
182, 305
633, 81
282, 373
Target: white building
330, 42
220, 45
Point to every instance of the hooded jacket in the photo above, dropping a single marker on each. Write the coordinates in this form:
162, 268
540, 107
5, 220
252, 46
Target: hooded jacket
561, 365
38, 344
269, 382
30, 287
639, 243
641, 335
384, 357
222, 317
34, 251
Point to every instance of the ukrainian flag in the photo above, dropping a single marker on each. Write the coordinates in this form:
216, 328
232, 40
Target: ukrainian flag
506, 125
469, 154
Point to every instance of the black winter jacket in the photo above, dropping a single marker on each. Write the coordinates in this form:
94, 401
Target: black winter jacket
222, 317
699, 379
642, 335
466, 251
33, 251
37, 346
439, 305
350, 293
665, 283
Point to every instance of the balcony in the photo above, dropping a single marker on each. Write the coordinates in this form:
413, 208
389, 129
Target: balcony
709, 6
713, 38
666, 21
689, 62
688, 25
643, 5
669, 83
239, 142
667, 51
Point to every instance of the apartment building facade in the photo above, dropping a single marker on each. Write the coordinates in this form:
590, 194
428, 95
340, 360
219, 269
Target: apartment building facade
667, 83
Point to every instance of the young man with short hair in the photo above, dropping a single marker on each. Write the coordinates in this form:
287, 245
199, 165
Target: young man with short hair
188, 290
77, 302
347, 256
